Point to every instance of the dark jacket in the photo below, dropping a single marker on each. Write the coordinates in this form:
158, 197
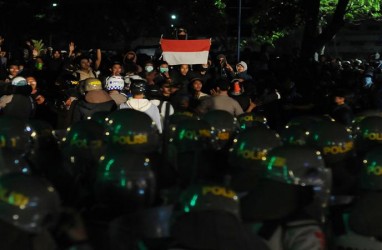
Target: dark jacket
20, 106
94, 101
343, 114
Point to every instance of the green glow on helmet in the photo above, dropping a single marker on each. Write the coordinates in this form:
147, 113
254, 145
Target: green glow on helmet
186, 209
75, 136
291, 139
285, 175
123, 179
271, 162
181, 134
193, 200
123, 182
315, 137
365, 133
141, 245
242, 146
118, 128
108, 165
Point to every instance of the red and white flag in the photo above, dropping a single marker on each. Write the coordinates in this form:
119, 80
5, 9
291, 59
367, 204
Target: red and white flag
177, 52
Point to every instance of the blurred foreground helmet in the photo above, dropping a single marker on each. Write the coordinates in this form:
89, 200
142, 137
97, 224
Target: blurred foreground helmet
365, 218
208, 198
371, 174
305, 122
207, 217
295, 165
83, 145
362, 115
193, 135
43, 137
301, 166
224, 124
296, 132
247, 153
44, 150
298, 176
11, 162
15, 135
190, 151
333, 140
84, 136
102, 117
294, 135
251, 120
177, 117
251, 146
368, 133
148, 224
125, 180
114, 83
132, 130
28, 202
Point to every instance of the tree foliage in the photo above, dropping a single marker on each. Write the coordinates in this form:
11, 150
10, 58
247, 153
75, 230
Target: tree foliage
276, 18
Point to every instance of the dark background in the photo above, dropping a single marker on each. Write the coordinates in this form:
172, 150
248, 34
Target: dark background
110, 23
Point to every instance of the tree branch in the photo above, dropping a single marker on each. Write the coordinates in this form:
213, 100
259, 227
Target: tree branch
337, 22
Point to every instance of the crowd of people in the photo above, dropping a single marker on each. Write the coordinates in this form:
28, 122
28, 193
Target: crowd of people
102, 150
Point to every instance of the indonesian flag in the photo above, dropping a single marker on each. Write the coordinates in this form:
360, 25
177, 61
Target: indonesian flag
177, 52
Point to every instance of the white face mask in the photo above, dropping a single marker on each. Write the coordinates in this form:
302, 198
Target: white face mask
149, 68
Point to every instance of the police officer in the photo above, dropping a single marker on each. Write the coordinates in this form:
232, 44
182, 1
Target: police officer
15, 145
190, 152
363, 223
125, 183
290, 199
30, 208
33, 218
337, 147
81, 148
207, 216
246, 155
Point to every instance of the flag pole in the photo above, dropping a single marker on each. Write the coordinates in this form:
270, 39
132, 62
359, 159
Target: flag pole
239, 32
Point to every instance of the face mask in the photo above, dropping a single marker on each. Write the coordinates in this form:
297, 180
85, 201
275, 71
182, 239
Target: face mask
39, 66
163, 70
149, 68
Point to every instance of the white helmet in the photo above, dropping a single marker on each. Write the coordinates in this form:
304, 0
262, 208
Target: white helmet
19, 81
114, 83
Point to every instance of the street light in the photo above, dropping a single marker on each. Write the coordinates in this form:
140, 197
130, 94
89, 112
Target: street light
54, 4
173, 17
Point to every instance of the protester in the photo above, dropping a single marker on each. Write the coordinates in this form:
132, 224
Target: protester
64, 88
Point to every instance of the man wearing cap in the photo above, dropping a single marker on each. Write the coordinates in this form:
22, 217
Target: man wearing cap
96, 99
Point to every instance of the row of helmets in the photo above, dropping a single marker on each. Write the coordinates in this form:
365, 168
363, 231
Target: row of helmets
248, 139
27, 201
131, 135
